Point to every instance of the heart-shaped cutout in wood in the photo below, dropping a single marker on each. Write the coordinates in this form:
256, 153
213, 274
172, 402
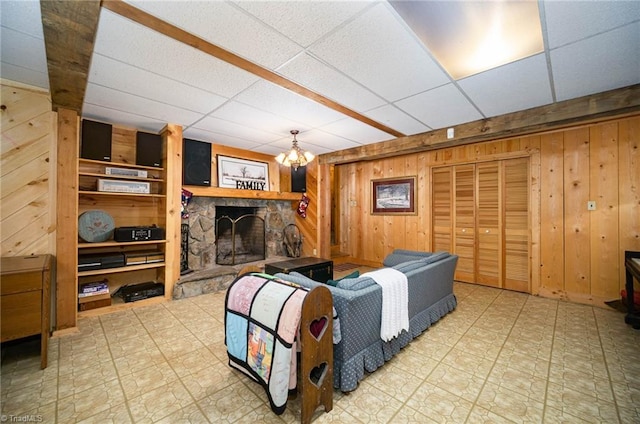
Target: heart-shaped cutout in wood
316, 376
317, 327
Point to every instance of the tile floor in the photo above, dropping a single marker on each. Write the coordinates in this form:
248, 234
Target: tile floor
500, 357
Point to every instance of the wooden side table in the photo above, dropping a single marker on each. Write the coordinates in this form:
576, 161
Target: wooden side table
317, 269
25, 299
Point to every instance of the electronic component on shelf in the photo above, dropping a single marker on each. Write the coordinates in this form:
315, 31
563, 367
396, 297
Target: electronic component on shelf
124, 234
121, 186
125, 172
93, 261
144, 257
134, 292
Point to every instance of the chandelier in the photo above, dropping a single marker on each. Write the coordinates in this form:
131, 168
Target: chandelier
295, 157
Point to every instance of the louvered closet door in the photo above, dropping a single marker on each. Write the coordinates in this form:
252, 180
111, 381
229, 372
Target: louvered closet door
464, 221
441, 194
516, 224
489, 254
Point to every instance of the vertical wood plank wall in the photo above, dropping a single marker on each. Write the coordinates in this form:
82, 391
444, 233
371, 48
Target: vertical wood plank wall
578, 253
27, 171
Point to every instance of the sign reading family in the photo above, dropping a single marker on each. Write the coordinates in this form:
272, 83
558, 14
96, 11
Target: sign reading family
242, 174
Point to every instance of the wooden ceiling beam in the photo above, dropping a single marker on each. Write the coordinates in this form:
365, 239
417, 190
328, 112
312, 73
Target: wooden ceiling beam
544, 118
143, 18
69, 34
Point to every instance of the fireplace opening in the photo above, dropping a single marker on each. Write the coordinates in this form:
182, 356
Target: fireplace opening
240, 235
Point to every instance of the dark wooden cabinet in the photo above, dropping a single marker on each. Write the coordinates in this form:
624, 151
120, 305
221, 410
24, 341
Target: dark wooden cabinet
317, 269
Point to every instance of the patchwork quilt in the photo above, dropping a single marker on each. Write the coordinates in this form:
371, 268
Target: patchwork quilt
262, 319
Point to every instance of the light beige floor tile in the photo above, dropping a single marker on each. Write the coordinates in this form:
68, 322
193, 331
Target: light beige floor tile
627, 396
439, 405
535, 366
583, 382
487, 348
580, 404
457, 382
45, 414
139, 361
190, 414
409, 415
394, 381
463, 360
481, 415
229, 405
193, 362
186, 344
519, 381
124, 333
83, 379
117, 414
81, 406
557, 416
418, 359
212, 379
147, 379
370, 404
159, 403
428, 349
509, 404
126, 347
629, 415
594, 366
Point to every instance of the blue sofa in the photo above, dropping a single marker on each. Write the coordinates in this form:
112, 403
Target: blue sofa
358, 303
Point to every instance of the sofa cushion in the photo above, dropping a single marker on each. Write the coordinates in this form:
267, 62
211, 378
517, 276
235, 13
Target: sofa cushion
355, 283
401, 255
354, 274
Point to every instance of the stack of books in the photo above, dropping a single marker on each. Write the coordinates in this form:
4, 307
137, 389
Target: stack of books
93, 295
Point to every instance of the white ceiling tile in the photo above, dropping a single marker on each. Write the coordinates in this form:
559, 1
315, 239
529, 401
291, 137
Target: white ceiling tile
317, 141
23, 16
569, 21
578, 68
280, 101
441, 107
377, 51
356, 131
226, 26
315, 75
150, 50
393, 117
243, 114
218, 138
25, 76
304, 21
222, 126
123, 77
23, 50
125, 102
120, 118
516, 86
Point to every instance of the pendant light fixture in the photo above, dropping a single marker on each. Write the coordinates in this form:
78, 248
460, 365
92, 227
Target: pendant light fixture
295, 157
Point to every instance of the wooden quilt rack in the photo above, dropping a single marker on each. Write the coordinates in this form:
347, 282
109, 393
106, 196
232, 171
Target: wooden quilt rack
315, 373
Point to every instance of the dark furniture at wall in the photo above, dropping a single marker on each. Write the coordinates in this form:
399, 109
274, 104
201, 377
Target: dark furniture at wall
632, 266
26, 288
315, 268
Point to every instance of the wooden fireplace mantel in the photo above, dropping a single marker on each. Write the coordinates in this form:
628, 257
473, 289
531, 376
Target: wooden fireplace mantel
242, 194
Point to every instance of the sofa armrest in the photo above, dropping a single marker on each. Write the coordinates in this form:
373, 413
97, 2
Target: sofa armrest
402, 255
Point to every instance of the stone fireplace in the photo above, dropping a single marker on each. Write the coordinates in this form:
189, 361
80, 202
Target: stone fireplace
208, 251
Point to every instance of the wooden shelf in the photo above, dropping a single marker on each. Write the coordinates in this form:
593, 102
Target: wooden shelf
118, 243
118, 164
120, 177
242, 194
120, 269
110, 193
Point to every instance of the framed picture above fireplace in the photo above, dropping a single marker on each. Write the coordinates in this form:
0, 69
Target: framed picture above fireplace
242, 174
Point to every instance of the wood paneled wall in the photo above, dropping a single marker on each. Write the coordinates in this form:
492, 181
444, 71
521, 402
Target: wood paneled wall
576, 254
27, 171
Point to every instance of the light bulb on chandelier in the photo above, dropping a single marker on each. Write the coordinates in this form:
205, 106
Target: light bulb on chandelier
295, 157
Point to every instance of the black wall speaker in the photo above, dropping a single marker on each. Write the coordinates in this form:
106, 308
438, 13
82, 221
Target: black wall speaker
196, 166
299, 179
148, 149
95, 140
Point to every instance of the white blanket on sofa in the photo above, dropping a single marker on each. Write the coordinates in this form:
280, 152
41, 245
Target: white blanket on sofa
395, 301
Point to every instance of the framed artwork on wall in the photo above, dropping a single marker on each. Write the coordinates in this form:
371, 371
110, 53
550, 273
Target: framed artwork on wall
242, 174
393, 196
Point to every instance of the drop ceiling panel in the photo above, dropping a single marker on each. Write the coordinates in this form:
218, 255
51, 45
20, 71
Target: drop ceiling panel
304, 21
227, 26
441, 107
108, 73
150, 50
250, 116
124, 102
356, 131
317, 141
22, 16
218, 138
516, 86
24, 75
282, 102
569, 21
315, 75
222, 126
122, 119
393, 117
376, 50
578, 68
23, 50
